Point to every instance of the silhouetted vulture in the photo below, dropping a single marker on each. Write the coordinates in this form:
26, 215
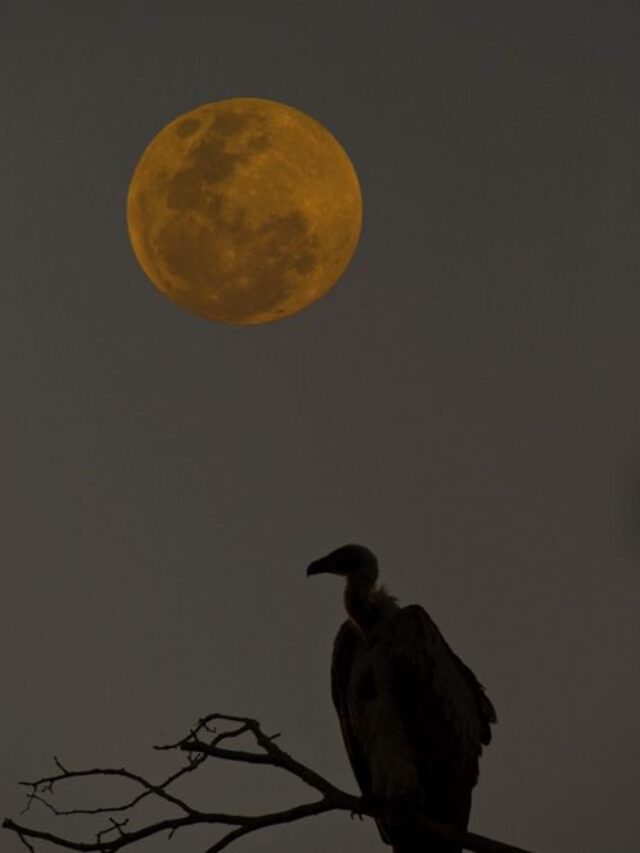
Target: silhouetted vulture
413, 715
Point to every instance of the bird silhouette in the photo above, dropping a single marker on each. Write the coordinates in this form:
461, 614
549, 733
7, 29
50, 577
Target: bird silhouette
414, 718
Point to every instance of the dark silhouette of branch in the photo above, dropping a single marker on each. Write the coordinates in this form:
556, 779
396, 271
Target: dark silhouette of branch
202, 743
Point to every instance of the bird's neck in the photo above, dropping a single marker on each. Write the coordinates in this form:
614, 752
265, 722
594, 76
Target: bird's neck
367, 604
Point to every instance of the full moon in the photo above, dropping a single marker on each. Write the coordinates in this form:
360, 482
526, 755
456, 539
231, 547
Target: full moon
244, 211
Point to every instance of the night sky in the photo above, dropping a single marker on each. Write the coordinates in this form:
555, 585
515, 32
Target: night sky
466, 402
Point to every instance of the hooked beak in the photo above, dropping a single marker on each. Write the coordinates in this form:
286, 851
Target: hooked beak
318, 567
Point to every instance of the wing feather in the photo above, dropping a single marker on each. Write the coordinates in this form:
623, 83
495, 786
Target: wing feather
445, 711
347, 645
439, 704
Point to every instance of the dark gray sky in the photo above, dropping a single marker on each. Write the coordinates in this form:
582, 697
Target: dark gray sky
466, 401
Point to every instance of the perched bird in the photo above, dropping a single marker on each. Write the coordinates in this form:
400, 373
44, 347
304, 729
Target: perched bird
413, 716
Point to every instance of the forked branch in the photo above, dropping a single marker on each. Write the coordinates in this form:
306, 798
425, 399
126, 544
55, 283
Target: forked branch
212, 738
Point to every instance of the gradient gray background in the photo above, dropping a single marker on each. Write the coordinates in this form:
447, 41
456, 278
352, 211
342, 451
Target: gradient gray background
466, 401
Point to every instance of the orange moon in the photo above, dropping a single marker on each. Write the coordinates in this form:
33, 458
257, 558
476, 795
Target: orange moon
244, 211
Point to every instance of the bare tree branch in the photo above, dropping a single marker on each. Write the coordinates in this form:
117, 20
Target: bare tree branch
200, 744
46, 786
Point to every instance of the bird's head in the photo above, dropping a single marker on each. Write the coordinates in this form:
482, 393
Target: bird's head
354, 562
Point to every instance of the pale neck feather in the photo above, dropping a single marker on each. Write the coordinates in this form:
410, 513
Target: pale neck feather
367, 604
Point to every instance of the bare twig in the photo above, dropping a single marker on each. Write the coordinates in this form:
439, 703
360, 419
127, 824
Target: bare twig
47, 783
271, 754
201, 743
